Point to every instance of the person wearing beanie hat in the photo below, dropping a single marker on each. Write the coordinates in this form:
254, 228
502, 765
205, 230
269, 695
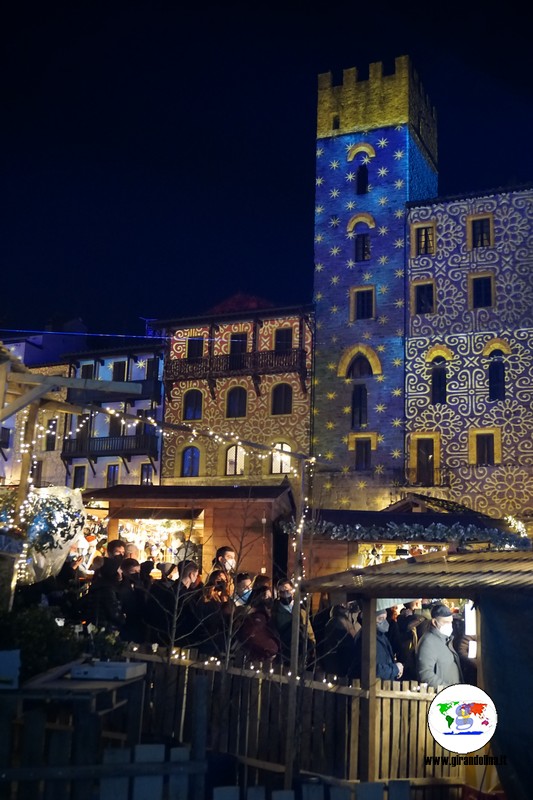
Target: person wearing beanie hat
438, 664
440, 610
166, 568
386, 667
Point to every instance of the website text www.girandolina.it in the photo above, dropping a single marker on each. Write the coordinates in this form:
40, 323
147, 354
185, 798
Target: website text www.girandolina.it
466, 761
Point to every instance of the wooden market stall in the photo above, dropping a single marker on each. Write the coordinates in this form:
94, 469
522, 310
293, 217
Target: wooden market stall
500, 583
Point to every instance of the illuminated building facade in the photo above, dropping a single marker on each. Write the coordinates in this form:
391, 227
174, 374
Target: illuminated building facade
469, 358
115, 445
423, 359
237, 377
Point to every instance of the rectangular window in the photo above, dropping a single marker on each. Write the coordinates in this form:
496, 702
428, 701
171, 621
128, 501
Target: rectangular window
283, 343
425, 466
481, 232
424, 302
362, 305
145, 428
87, 372
362, 246
5, 438
485, 449
484, 446
112, 475
482, 291
83, 428
119, 371
425, 240
152, 369
195, 347
237, 348
147, 475
115, 425
51, 435
78, 479
359, 405
362, 454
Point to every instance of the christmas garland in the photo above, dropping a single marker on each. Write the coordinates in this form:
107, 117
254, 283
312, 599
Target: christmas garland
414, 532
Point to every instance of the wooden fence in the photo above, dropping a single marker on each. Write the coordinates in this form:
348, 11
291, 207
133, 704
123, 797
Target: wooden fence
76, 747
247, 720
198, 726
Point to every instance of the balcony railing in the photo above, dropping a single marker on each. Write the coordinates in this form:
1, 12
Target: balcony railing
151, 390
428, 477
265, 362
94, 446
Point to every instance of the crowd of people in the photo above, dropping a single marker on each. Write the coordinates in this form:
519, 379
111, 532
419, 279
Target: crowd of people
235, 611
230, 611
422, 641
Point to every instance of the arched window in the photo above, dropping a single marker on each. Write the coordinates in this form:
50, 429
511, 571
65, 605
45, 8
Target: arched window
496, 376
236, 404
282, 399
190, 462
235, 460
281, 460
359, 405
438, 380
362, 179
359, 368
192, 404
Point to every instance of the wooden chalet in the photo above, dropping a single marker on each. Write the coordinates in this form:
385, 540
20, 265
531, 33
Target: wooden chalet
340, 539
501, 586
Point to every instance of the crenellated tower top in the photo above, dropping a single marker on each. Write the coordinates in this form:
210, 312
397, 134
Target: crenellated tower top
379, 101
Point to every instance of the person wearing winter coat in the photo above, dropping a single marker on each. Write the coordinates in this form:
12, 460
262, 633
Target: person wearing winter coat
257, 635
160, 608
101, 604
438, 663
339, 650
386, 667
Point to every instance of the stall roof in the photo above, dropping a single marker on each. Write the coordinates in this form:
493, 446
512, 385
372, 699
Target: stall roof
173, 494
424, 519
435, 575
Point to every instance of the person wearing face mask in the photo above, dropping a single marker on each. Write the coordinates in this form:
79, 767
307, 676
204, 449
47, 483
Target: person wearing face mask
437, 661
226, 560
132, 596
257, 636
243, 589
213, 613
282, 621
386, 667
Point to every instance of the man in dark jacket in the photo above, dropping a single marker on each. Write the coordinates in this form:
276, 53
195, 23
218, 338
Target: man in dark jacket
282, 621
437, 662
386, 667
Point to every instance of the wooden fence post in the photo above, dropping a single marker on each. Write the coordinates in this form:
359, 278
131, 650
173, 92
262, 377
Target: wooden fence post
368, 742
199, 733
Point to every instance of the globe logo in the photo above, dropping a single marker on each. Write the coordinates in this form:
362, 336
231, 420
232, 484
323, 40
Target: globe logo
462, 718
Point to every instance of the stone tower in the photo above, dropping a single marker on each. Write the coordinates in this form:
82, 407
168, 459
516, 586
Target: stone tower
376, 150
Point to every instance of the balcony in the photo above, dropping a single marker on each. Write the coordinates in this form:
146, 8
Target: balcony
151, 390
427, 476
94, 447
265, 362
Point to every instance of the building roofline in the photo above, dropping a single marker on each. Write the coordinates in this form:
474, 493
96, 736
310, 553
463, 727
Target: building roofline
468, 195
275, 311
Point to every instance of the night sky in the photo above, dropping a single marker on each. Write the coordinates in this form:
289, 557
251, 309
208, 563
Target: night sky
157, 159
